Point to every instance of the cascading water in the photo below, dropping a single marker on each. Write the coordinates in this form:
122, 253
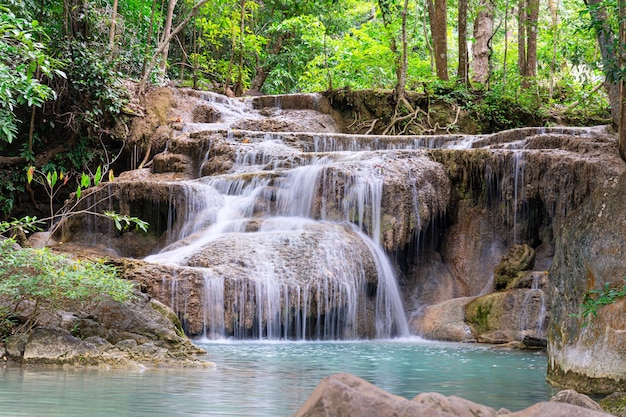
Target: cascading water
288, 231
274, 197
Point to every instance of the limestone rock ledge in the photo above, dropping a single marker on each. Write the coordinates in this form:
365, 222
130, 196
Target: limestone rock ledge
345, 395
138, 333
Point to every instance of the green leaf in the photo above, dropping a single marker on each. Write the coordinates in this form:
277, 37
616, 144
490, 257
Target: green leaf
98, 176
85, 182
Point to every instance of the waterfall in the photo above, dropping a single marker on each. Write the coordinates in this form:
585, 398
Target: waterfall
269, 208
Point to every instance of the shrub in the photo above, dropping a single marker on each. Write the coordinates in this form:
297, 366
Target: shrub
49, 280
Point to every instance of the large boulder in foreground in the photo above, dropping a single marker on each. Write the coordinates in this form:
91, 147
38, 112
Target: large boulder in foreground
588, 355
139, 332
345, 395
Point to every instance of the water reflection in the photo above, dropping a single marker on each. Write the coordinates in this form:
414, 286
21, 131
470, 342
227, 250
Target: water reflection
275, 378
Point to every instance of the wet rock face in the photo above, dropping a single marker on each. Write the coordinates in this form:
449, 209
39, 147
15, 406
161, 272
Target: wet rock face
590, 252
242, 269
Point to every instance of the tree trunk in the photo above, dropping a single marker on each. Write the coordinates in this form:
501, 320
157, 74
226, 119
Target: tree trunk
462, 23
606, 40
165, 42
621, 136
166, 33
483, 29
438, 29
554, 12
112, 30
149, 38
402, 66
527, 37
521, 36
531, 34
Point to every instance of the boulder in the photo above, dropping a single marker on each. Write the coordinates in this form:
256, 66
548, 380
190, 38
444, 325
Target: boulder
58, 347
507, 316
570, 396
345, 395
443, 321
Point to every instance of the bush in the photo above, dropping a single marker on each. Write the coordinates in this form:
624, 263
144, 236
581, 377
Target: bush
48, 280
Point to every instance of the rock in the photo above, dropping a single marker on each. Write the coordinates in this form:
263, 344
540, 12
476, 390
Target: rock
41, 240
443, 321
508, 316
556, 409
520, 258
573, 397
15, 345
135, 319
615, 404
58, 347
453, 406
589, 253
345, 395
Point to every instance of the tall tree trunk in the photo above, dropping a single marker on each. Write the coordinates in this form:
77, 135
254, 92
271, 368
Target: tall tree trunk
112, 30
531, 34
164, 43
462, 28
438, 28
521, 36
402, 66
506, 43
527, 37
606, 40
483, 29
149, 37
621, 131
554, 12
166, 32
427, 38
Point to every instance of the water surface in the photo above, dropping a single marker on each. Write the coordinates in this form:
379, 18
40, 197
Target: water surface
275, 378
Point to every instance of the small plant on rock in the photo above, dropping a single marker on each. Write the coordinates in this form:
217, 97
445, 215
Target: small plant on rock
595, 299
36, 280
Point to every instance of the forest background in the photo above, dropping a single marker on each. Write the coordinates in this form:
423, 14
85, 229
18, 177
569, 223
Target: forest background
65, 98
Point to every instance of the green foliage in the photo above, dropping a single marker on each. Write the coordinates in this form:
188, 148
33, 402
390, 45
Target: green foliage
593, 300
124, 222
94, 89
50, 182
49, 280
23, 61
26, 224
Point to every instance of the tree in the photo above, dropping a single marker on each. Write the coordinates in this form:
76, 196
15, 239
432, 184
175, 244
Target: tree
164, 43
483, 30
462, 76
166, 32
437, 10
528, 16
612, 62
23, 63
621, 140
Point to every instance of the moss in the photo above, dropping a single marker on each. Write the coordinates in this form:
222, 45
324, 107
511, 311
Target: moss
615, 404
478, 314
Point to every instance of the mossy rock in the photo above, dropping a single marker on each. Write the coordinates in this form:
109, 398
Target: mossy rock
520, 258
615, 404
